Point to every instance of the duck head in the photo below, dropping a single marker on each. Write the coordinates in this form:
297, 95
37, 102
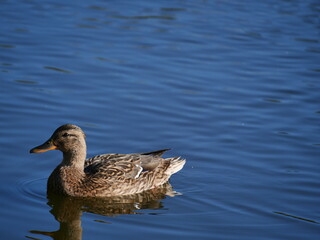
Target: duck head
67, 138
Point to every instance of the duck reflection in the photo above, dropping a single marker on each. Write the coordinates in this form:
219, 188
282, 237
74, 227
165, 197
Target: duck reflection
68, 210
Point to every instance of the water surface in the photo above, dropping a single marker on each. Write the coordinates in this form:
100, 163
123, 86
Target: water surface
233, 87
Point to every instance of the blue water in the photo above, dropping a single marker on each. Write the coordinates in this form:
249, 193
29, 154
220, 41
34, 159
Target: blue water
232, 86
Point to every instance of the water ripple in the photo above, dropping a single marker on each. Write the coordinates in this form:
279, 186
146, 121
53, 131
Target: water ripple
32, 189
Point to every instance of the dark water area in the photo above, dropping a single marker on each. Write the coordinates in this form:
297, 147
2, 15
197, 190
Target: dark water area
232, 86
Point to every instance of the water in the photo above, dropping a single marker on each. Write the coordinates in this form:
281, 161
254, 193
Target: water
231, 86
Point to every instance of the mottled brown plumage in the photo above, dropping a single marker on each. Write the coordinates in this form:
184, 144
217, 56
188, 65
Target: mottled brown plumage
103, 175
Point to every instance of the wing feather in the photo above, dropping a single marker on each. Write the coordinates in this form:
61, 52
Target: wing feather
115, 165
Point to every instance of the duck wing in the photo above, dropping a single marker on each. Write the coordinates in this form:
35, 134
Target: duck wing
123, 165
113, 165
157, 153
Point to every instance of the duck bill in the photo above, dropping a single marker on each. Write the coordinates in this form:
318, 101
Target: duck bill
48, 145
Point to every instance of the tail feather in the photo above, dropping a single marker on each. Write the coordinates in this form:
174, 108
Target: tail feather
176, 164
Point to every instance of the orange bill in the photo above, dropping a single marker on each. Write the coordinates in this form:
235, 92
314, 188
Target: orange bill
48, 145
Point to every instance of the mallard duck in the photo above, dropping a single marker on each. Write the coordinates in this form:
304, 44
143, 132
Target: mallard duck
104, 175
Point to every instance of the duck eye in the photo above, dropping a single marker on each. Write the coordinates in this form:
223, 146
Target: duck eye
66, 135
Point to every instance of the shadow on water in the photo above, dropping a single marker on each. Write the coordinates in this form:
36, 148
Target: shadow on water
68, 210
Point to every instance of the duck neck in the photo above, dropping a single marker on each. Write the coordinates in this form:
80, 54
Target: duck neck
75, 158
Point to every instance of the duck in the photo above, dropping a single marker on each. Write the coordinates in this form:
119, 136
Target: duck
105, 175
